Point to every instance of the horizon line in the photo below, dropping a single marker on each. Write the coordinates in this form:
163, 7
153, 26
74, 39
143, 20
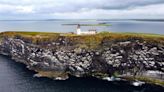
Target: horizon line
80, 19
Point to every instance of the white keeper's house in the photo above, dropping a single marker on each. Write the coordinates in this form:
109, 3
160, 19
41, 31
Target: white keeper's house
89, 32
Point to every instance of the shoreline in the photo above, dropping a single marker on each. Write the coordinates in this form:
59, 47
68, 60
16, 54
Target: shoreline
30, 53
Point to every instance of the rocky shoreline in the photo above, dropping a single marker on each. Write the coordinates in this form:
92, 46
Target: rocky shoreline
137, 59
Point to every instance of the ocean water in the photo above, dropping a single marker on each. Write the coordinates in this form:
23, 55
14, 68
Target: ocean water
156, 27
15, 77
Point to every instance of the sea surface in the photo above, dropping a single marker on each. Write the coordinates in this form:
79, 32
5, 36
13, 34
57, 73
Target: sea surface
142, 26
15, 77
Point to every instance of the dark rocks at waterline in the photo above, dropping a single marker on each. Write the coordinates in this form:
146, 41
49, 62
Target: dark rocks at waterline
119, 59
14, 77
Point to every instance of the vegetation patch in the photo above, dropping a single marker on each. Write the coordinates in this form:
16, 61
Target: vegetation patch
145, 79
53, 74
88, 41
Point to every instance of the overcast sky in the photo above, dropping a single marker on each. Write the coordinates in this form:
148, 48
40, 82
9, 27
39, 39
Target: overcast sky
81, 9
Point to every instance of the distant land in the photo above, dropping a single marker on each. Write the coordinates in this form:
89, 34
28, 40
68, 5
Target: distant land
160, 20
155, 20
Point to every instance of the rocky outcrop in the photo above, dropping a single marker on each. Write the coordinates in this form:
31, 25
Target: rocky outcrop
61, 58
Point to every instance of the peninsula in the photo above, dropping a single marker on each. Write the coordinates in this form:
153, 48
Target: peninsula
125, 56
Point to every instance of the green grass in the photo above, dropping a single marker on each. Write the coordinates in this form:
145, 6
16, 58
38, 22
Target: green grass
89, 41
145, 79
28, 34
34, 37
52, 74
141, 34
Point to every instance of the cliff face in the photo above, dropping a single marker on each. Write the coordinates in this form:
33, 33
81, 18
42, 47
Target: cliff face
61, 58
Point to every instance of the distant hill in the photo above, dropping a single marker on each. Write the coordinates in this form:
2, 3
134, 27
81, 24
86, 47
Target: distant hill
155, 20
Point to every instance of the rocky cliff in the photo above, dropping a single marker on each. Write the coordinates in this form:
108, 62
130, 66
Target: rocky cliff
130, 58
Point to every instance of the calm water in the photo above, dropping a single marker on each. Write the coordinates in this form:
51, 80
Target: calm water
14, 77
56, 26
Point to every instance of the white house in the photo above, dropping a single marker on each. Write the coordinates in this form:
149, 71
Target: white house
79, 32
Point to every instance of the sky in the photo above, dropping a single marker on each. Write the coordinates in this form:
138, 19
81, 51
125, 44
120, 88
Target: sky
81, 9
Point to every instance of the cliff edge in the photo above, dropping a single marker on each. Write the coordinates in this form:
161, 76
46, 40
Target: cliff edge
118, 55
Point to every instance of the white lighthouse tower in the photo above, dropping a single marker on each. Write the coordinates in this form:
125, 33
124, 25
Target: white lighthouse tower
90, 32
78, 30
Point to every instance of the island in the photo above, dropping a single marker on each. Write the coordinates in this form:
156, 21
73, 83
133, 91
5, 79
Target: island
105, 55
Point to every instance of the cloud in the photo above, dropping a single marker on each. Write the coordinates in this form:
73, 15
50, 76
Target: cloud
24, 9
151, 11
5, 8
81, 8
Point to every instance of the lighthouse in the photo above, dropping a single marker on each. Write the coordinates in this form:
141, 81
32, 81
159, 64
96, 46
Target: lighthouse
89, 32
78, 29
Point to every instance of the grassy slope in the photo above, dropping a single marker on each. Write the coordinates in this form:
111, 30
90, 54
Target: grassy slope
89, 40
31, 36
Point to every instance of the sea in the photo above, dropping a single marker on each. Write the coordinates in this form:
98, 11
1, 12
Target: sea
137, 26
15, 77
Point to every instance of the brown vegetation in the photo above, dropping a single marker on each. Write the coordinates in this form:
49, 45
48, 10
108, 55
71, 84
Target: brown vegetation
90, 41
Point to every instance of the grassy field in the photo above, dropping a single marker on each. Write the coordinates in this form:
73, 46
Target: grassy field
50, 34
89, 40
